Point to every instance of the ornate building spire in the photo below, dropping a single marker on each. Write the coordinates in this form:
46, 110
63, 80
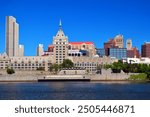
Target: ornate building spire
60, 24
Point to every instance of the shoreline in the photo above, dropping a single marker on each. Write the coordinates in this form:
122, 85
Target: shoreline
62, 80
34, 76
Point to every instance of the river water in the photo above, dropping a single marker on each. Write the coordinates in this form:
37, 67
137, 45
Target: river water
75, 91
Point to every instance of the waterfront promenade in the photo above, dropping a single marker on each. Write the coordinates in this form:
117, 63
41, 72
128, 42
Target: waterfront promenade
33, 76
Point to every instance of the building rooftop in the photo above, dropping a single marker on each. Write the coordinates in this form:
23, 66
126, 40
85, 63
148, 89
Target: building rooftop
50, 46
73, 43
147, 43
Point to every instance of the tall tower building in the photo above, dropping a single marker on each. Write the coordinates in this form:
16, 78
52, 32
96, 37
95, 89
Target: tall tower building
119, 41
21, 51
129, 44
60, 42
12, 35
40, 50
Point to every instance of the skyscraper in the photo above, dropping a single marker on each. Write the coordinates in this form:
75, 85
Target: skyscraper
12, 35
129, 44
146, 50
40, 50
60, 42
119, 41
21, 51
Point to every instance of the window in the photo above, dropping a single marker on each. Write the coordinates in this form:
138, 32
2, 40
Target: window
83, 46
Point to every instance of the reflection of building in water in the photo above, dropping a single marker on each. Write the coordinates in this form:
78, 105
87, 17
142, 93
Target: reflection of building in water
58, 85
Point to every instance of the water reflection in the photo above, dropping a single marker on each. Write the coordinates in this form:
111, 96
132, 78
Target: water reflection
75, 90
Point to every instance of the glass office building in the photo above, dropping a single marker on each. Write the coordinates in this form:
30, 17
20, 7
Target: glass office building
100, 52
119, 53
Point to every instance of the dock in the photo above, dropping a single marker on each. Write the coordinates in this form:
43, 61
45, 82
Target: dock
64, 78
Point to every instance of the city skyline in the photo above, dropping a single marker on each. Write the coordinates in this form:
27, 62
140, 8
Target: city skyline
93, 20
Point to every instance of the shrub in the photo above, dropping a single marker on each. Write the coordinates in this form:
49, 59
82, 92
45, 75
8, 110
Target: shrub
141, 76
10, 71
40, 69
116, 70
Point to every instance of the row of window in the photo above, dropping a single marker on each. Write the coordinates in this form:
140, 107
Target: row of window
60, 57
85, 64
4, 62
60, 51
23, 64
60, 42
25, 67
28, 59
60, 54
60, 47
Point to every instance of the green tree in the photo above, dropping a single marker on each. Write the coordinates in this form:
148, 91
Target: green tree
67, 64
117, 67
51, 68
56, 67
126, 67
10, 71
107, 66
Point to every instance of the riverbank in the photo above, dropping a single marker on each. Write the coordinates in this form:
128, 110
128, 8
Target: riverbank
22, 76
33, 76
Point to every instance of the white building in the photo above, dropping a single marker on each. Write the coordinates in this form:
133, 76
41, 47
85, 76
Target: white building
21, 50
138, 60
40, 50
12, 38
91, 63
26, 62
12, 35
129, 44
4, 61
31, 62
60, 43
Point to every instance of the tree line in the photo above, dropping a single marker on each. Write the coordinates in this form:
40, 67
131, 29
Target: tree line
129, 68
56, 67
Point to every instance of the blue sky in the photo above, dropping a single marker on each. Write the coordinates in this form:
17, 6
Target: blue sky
83, 20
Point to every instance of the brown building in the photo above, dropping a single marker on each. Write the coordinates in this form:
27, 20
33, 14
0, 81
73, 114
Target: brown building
133, 53
107, 45
146, 50
50, 48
